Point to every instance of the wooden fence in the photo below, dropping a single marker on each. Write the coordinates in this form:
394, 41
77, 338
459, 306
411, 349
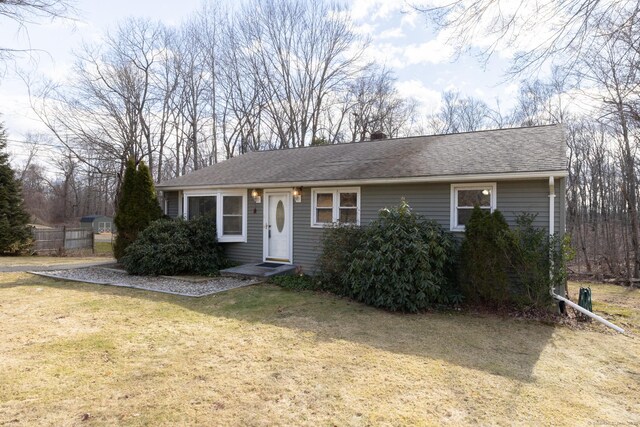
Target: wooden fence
59, 239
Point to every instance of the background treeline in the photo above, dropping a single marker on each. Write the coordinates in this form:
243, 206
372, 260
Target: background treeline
284, 73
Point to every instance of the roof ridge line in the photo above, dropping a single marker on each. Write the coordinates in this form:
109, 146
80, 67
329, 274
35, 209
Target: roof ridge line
406, 137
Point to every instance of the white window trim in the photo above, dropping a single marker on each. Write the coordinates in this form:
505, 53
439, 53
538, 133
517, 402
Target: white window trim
219, 195
453, 219
336, 204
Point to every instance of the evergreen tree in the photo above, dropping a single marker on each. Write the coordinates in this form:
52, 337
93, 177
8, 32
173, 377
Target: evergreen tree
147, 198
137, 206
484, 275
15, 236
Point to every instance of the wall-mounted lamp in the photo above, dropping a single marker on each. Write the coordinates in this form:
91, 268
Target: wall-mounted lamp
297, 194
256, 196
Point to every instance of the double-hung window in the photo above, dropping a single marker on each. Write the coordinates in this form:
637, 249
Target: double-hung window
228, 208
335, 205
232, 215
464, 197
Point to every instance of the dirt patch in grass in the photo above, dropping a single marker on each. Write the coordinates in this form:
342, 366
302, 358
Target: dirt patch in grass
267, 356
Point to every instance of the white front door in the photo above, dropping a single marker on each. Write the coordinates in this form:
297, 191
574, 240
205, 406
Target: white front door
277, 227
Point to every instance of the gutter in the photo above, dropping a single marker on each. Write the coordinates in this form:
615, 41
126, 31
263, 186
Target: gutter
555, 296
371, 181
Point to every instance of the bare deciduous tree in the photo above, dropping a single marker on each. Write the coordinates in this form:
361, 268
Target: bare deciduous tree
301, 52
564, 28
23, 12
459, 114
373, 104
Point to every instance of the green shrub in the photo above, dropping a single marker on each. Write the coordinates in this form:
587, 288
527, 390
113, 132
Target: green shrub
484, 264
527, 249
170, 247
15, 234
502, 266
401, 263
294, 282
562, 254
338, 245
137, 206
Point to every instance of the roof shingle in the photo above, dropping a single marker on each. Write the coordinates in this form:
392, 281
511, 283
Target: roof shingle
528, 149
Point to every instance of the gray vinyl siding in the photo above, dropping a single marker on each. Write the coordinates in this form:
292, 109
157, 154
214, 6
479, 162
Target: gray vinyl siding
307, 240
251, 250
429, 200
532, 197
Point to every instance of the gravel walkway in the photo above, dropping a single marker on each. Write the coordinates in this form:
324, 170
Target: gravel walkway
170, 285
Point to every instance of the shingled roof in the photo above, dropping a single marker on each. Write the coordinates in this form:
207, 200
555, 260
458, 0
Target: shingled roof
494, 152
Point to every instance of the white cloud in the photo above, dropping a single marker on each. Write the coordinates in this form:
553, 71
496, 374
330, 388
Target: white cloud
372, 10
364, 29
409, 18
511, 90
479, 93
392, 33
429, 99
432, 51
452, 87
403, 55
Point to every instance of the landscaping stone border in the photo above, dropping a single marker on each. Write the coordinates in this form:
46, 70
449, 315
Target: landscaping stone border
188, 287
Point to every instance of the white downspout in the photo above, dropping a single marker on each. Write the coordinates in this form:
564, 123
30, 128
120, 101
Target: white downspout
552, 224
552, 207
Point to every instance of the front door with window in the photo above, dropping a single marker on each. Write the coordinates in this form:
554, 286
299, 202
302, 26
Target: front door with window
277, 227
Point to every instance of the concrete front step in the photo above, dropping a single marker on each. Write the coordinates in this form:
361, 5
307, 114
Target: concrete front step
258, 270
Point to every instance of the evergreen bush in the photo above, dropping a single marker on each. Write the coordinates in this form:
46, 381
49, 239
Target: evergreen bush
170, 247
137, 206
484, 263
338, 245
15, 235
528, 250
402, 262
502, 266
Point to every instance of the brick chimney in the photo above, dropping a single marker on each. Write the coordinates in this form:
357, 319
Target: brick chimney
378, 134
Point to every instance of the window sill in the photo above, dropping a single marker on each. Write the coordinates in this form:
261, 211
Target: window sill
325, 225
334, 224
232, 239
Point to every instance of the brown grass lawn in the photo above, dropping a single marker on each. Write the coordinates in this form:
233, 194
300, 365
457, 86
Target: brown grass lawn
47, 261
266, 356
103, 248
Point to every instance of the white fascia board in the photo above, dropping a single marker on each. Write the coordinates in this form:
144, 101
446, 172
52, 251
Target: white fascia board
507, 176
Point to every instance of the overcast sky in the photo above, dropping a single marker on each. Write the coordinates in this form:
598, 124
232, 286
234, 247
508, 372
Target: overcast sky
400, 37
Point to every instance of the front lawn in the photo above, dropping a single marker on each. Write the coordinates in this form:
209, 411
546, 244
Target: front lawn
266, 356
103, 248
47, 261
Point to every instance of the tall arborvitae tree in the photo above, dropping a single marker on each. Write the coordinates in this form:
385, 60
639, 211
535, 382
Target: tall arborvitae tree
15, 236
137, 207
149, 206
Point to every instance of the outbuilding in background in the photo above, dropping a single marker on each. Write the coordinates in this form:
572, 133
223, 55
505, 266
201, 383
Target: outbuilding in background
99, 223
